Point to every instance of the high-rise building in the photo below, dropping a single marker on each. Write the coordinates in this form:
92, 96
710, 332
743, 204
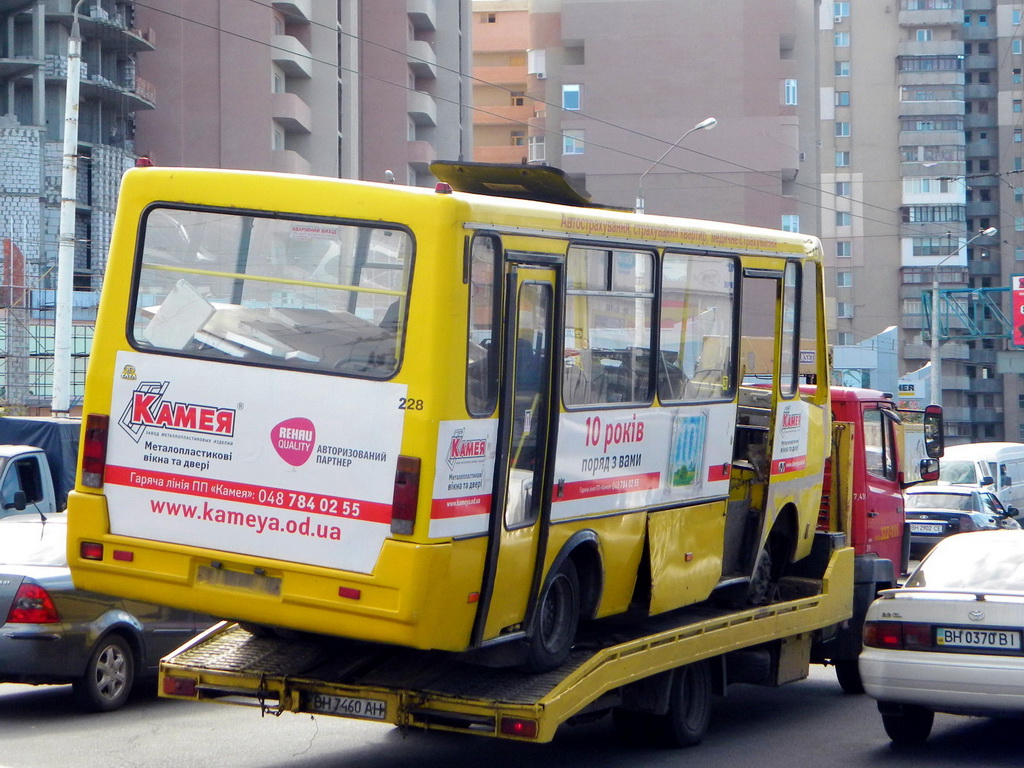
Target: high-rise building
350, 89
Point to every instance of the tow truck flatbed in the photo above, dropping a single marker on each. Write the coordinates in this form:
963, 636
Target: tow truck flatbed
436, 690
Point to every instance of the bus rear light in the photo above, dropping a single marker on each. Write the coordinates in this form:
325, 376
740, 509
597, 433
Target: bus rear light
123, 555
180, 686
518, 726
350, 592
407, 488
90, 550
94, 450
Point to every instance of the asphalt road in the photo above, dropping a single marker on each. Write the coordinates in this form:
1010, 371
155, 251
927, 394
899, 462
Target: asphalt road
802, 725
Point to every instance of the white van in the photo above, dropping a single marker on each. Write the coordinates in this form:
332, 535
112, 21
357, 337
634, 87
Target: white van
999, 467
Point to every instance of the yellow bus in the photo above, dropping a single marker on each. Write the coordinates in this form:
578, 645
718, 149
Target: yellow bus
468, 417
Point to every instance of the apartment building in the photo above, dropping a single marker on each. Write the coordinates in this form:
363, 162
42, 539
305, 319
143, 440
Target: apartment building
501, 110
349, 89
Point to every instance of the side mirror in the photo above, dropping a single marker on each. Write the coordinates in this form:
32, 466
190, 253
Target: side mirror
929, 469
934, 439
20, 501
987, 480
1012, 511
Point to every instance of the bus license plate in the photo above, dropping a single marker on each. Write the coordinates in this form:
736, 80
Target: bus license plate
346, 706
986, 639
927, 527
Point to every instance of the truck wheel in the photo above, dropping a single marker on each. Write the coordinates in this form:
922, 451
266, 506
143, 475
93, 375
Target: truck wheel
687, 719
909, 725
109, 676
558, 616
848, 675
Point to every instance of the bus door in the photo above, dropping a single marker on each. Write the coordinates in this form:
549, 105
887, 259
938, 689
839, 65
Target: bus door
521, 506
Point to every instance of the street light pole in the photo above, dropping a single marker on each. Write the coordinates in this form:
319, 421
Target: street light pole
707, 124
936, 386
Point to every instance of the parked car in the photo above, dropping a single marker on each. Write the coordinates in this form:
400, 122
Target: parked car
53, 633
950, 640
935, 512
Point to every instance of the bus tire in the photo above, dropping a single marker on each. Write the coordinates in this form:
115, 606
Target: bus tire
760, 585
848, 675
556, 620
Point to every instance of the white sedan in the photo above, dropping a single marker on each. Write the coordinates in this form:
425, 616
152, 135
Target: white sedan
950, 640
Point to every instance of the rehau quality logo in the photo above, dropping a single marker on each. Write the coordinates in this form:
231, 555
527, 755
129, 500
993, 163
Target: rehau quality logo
461, 449
149, 408
294, 439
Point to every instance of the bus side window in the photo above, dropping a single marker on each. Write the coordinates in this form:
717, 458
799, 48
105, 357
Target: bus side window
482, 343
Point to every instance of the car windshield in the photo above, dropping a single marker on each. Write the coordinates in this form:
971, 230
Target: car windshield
957, 472
975, 561
27, 540
958, 502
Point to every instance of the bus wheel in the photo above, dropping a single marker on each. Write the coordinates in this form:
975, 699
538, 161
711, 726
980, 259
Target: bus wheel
558, 616
687, 719
760, 584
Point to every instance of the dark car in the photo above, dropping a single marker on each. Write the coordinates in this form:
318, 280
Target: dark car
53, 633
935, 512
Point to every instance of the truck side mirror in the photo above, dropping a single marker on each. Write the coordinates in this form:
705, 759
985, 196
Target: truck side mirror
929, 469
1012, 511
934, 440
988, 480
20, 500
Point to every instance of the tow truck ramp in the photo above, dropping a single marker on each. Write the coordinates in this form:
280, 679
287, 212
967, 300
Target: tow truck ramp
443, 691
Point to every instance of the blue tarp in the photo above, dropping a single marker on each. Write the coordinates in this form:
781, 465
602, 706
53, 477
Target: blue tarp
58, 439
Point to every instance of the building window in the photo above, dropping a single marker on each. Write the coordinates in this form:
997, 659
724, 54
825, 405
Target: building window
840, 10
844, 339
536, 149
933, 123
572, 142
1018, 194
1018, 253
950, 63
571, 97
844, 249
843, 189
1017, 79
1015, 18
842, 159
518, 98
842, 69
1018, 223
790, 222
277, 140
924, 35
844, 310
842, 129
488, 18
1016, 46
841, 40
842, 98
790, 93
518, 138
1017, 135
844, 279
930, 246
843, 219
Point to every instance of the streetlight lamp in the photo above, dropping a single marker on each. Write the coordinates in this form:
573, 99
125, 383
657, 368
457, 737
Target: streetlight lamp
936, 392
707, 124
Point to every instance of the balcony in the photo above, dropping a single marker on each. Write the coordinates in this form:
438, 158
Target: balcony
980, 91
291, 56
982, 61
422, 108
507, 75
422, 59
946, 17
984, 268
421, 154
17, 66
297, 11
139, 94
505, 153
503, 115
986, 416
289, 161
986, 386
98, 24
989, 208
291, 113
977, 120
422, 14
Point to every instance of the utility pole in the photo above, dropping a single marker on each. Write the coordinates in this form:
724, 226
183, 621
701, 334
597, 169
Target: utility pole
60, 403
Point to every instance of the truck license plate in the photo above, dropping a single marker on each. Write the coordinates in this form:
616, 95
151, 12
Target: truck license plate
346, 706
985, 639
927, 527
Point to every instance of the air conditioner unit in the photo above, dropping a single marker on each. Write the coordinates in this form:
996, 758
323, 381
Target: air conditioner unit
541, 76
839, 19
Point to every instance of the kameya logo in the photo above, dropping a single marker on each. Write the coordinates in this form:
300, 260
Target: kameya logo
462, 449
791, 420
294, 440
149, 408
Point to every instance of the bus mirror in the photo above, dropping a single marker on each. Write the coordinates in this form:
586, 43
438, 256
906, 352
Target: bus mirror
934, 442
929, 469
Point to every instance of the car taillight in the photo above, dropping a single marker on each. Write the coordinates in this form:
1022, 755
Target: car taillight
32, 605
898, 635
94, 450
407, 488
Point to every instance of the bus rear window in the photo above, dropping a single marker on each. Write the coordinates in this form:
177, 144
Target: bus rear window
320, 296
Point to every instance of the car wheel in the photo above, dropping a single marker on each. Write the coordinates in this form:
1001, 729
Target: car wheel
909, 725
848, 675
558, 616
109, 676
